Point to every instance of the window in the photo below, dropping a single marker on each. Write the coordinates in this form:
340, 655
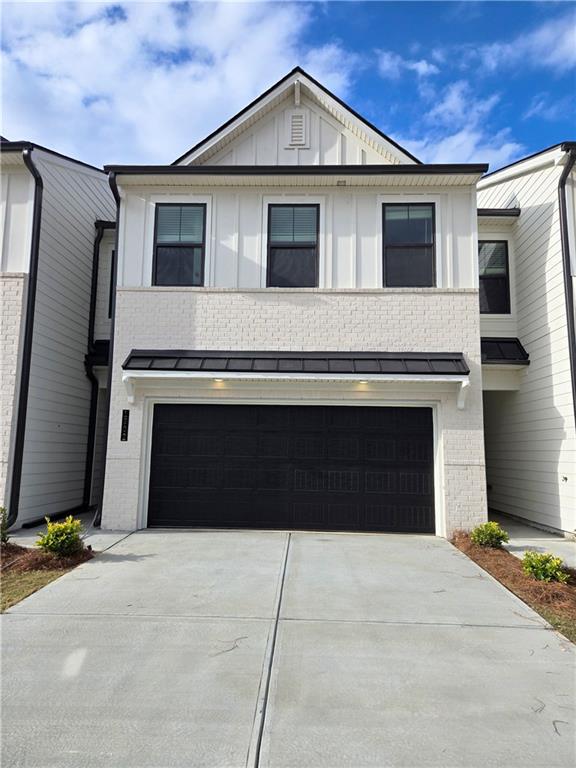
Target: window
494, 279
408, 237
179, 244
293, 246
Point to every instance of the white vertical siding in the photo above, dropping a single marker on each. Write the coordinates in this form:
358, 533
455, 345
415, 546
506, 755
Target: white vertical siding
350, 245
101, 317
16, 211
530, 434
59, 398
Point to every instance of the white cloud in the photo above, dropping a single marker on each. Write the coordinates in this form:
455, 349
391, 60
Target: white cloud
142, 82
460, 105
391, 65
545, 107
552, 45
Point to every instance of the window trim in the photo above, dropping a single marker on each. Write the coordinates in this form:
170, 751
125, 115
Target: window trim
157, 245
508, 312
270, 205
415, 204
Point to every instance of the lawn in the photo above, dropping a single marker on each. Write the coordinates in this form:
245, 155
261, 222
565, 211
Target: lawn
26, 570
554, 602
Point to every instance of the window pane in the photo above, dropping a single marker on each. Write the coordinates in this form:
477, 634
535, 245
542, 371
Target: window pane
178, 266
408, 224
292, 267
293, 224
494, 297
409, 267
180, 224
493, 258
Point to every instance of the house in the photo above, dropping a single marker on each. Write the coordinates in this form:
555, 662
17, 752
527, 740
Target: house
526, 231
295, 330
48, 402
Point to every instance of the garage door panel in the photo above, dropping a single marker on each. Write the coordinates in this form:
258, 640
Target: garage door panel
342, 468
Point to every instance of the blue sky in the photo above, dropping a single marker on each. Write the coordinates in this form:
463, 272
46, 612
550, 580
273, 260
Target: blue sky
140, 82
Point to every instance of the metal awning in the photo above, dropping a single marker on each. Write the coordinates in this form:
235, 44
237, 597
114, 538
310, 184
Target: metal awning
503, 351
340, 363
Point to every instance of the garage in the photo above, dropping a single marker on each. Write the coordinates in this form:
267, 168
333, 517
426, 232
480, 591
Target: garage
356, 468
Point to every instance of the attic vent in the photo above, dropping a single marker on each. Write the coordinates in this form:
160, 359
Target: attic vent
297, 129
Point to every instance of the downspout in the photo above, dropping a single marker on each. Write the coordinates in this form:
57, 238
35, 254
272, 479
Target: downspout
570, 148
89, 370
16, 481
116, 194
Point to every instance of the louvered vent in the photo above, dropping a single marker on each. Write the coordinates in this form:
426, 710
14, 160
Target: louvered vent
297, 129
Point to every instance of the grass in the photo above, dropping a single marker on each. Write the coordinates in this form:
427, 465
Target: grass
26, 570
16, 586
555, 602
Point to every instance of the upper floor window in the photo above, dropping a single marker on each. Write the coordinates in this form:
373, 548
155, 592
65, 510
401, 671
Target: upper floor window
494, 277
180, 243
293, 246
408, 238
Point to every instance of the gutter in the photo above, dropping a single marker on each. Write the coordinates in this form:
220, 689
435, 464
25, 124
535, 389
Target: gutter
88, 467
16, 480
570, 148
114, 266
299, 170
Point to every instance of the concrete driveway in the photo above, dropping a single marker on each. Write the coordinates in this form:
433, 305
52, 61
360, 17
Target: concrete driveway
303, 650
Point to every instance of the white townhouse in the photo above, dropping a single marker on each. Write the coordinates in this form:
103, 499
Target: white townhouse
527, 283
296, 331
49, 393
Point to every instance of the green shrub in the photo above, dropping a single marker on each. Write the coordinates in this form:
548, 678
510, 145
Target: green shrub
489, 535
4, 535
544, 566
62, 538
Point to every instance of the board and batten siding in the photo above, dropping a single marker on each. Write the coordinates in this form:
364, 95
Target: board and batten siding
350, 237
327, 141
102, 320
59, 396
530, 433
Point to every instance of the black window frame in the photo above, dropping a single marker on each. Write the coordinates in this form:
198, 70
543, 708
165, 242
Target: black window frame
292, 245
497, 277
406, 246
179, 244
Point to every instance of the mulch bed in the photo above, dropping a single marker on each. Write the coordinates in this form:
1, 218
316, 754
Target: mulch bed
17, 559
542, 596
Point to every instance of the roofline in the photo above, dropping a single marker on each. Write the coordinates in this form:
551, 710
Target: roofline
298, 170
565, 146
20, 146
296, 70
499, 212
103, 224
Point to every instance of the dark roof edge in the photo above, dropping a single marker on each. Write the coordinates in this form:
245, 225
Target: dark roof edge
103, 224
497, 212
18, 146
298, 170
292, 354
563, 145
268, 91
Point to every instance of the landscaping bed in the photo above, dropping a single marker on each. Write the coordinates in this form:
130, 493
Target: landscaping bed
26, 570
553, 601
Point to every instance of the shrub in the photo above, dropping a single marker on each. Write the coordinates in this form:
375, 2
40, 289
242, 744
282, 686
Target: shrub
4, 535
489, 535
62, 538
544, 566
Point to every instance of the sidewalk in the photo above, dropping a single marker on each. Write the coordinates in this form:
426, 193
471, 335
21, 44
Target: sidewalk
524, 537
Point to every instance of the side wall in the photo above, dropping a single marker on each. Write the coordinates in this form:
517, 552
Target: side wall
12, 314
59, 397
392, 320
530, 434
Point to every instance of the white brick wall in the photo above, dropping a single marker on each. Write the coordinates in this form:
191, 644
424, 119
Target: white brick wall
442, 320
12, 298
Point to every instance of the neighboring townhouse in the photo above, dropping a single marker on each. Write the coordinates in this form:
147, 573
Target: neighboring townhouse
296, 334
527, 275
49, 405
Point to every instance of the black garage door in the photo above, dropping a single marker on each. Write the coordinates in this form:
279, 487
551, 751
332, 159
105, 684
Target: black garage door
318, 467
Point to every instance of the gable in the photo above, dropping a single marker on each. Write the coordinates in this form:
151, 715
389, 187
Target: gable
297, 122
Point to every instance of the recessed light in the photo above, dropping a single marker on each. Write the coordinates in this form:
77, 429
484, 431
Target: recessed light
363, 381
218, 381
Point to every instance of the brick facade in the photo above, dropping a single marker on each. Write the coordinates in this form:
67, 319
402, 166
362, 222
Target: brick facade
442, 320
12, 311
